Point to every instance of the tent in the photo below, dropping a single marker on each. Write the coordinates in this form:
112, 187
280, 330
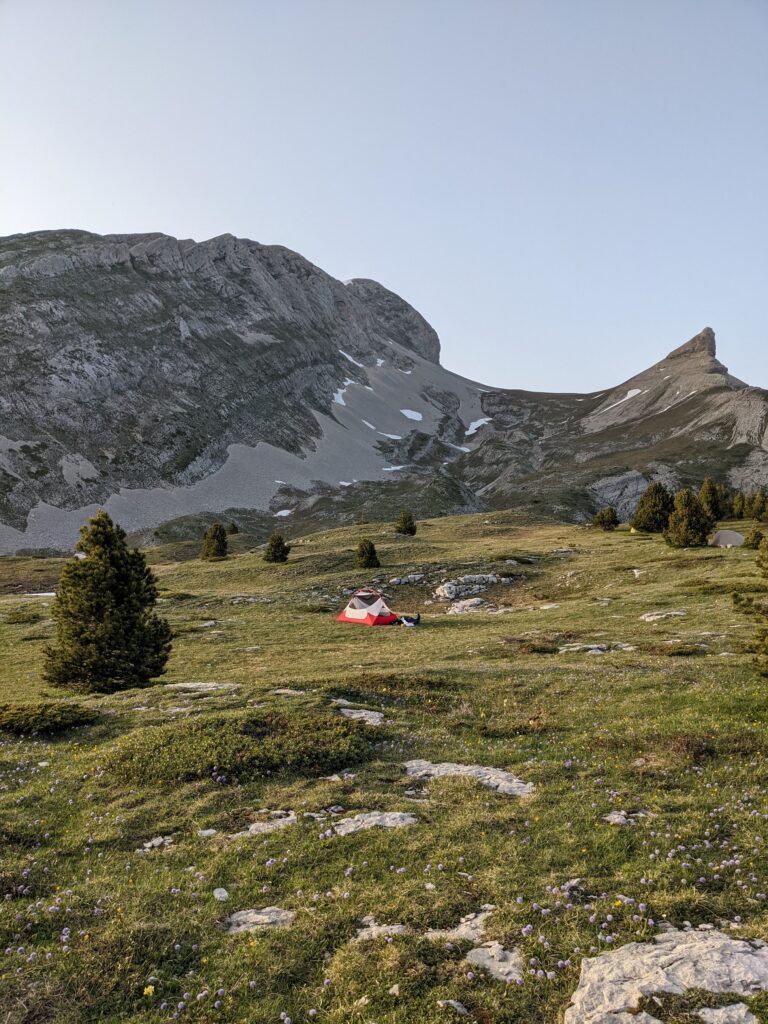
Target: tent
367, 607
727, 539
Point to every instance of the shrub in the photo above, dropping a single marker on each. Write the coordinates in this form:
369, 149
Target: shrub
754, 539
277, 550
233, 528
214, 543
689, 525
107, 636
406, 524
365, 556
23, 617
606, 518
44, 717
654, 509
241, 746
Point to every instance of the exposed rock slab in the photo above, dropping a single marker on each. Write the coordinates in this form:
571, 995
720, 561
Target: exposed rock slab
495, 778
363, 715
255, 920
612, 985
372, 930
677, 613
502, 964
277, 821
471, 928
736, 1013
374, 819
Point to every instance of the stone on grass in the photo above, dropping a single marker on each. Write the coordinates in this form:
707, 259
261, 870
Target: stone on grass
276, 821
612, 985
374, 819
403, 581
735, 1013
156, 844
453, 1004
200, 687
255, 920
286, 691
677, 613
372, 930
623, 817
471, 928
206, 833
495, 778
362, 715
221, 895
472, 604
502, 964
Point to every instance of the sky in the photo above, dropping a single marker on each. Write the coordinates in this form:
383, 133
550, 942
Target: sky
565, 189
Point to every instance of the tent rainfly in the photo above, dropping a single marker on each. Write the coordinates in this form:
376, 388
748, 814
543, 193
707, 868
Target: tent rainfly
367, 607
727, 539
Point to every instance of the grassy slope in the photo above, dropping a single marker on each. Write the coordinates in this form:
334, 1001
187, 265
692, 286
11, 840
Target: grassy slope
683, 738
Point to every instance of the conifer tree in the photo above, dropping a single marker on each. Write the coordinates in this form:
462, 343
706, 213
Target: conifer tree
606, 518
406, 524
365, 556
654, 509
107, 636
277, 550
724, 500
738, 505
214, 543
756, 504
710, 499
689, 525
754, 539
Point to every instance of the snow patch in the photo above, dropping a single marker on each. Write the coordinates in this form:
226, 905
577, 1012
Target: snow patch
351, 360
411, 414
475, 425
632, 393
284, 512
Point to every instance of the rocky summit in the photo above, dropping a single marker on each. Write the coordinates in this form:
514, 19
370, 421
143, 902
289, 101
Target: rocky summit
169, 381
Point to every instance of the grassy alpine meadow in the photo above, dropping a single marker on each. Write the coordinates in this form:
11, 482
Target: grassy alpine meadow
556, 679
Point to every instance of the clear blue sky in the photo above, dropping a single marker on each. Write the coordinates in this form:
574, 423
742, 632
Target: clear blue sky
566, 189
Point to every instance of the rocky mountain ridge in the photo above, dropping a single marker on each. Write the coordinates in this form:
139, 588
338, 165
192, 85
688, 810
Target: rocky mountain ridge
169, 380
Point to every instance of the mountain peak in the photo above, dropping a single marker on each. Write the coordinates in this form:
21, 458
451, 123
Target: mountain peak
702, 343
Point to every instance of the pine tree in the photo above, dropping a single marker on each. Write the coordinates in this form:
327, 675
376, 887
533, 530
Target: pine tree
756, 504
406, 524
738, 505
754, 539
606, 518
365, 556
654, 509
214, 543
724, 501
710, 499
277, 550
689, 525
107, 636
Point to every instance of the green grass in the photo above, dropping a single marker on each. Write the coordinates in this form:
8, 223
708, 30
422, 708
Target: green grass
682, 738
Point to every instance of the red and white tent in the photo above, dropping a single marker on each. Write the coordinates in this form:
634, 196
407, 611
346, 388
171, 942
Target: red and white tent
367, 607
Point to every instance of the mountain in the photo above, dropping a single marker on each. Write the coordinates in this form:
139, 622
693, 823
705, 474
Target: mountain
168, 380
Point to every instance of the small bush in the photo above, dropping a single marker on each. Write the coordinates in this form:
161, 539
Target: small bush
277, 550
606, 519
753, 540
44, 717
214, 543
365, 556
406, 524
242, 746
23, 617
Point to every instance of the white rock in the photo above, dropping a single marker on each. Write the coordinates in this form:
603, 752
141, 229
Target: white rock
502, 964
221, 895
472, 604
401, 581
471, 928
200, 687
372, 930
286, 691
362, 715
254, 920
453, 1004
206, 833
374, 819
155, 844
622, 817
494, 778
548, 607
677, 613
612, 985
736, 1013
278, 820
